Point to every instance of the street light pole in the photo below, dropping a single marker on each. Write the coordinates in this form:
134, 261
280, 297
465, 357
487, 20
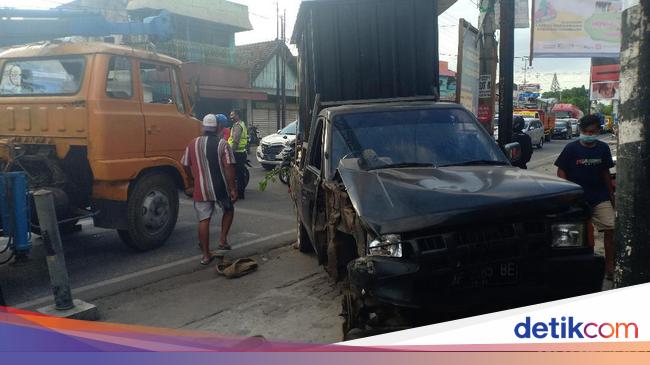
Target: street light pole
633, 165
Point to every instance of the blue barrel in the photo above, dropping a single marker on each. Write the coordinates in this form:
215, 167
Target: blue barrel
15, 210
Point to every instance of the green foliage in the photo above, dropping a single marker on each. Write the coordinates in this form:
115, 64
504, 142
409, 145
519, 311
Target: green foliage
578, 96
271, 177
606, 109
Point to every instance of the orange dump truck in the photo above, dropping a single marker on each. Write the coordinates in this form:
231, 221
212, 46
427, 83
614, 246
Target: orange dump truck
101, 126
547, 118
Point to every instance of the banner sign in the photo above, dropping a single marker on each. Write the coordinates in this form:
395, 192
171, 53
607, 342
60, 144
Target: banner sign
608, 90
576, 28
485, 86
467, 88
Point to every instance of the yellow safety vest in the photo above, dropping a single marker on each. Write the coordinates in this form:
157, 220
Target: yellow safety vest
243, 139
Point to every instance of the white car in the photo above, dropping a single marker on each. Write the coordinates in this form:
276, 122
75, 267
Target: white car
269, 152
535, 129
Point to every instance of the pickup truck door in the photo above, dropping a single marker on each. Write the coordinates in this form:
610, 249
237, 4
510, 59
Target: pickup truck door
311, 179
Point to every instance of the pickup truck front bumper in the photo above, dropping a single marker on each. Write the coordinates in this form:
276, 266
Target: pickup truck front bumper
409, 284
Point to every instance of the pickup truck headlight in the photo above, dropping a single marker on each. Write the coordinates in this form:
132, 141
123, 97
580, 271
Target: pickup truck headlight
568, 235
388, 245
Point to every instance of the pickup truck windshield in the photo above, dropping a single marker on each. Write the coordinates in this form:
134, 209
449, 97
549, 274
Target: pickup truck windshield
428, 137
42, 77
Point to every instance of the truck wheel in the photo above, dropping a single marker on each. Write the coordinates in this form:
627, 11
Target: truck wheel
350, 312
152, 211
304, 244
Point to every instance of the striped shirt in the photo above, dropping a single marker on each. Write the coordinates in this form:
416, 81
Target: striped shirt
206, 156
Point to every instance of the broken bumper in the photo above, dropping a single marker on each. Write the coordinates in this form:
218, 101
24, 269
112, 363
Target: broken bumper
408, 284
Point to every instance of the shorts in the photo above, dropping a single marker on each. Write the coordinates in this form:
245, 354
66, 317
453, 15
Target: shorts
603, 216
205, 210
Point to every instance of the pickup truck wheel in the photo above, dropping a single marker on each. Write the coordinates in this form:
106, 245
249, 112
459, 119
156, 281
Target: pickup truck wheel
152, 211
350, 313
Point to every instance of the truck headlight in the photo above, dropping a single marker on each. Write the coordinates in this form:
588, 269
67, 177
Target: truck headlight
388, 245
568, 235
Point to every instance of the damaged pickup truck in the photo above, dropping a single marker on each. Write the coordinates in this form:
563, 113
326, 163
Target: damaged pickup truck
419, 208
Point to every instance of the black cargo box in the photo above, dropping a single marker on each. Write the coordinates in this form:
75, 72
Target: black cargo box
366, 49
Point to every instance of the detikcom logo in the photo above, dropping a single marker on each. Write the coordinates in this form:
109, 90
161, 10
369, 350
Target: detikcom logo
568, 327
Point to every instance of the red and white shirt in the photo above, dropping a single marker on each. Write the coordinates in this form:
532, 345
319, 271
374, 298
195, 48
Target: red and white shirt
207, 156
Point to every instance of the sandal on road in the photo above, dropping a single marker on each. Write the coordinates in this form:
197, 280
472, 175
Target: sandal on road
207, 261
225, 247
236, 269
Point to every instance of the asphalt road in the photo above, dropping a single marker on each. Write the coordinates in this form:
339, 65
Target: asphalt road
100, 264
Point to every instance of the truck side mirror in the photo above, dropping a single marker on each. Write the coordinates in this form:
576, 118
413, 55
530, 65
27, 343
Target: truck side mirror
513, 151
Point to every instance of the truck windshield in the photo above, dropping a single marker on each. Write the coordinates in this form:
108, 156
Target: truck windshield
428, 137
42, 77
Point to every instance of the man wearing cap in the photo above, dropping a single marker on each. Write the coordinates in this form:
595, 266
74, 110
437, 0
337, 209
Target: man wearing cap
210, 164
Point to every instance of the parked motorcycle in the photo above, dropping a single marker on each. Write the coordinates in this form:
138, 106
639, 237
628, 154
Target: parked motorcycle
288, 156
253, 138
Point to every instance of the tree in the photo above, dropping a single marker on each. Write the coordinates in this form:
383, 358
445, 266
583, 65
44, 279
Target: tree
578, 96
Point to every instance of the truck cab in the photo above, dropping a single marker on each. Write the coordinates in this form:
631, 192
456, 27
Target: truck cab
418, 209
104, 128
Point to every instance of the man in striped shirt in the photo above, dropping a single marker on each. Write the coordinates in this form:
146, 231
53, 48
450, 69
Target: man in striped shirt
210, 163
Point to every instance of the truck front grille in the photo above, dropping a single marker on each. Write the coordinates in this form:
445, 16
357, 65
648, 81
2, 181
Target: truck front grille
483, 245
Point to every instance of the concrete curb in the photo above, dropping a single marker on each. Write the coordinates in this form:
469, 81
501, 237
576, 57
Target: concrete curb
155, 274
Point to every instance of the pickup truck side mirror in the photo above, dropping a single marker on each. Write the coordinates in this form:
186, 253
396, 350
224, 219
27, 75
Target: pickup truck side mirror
513, 151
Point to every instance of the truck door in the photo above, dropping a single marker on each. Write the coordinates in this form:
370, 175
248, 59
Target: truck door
311, 178
168, 128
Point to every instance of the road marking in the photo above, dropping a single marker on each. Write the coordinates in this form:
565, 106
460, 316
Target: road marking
125, 278
250, 212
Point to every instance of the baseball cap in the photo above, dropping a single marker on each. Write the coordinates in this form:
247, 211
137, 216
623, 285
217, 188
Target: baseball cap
210, 123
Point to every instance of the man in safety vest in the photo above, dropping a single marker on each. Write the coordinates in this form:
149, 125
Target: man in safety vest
238, 141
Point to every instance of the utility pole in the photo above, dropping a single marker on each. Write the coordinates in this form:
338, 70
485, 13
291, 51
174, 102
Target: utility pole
488, 65
283, 82
506, 70
633, 165
526, 67
277, 70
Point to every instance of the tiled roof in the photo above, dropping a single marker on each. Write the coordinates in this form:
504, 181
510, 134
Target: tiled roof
256, 56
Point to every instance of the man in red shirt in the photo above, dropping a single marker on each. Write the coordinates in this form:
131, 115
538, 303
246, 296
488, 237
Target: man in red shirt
210, 164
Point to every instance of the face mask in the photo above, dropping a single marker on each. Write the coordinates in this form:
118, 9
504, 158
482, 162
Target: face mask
588, 139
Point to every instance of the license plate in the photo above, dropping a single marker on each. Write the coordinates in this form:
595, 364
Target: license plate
490, 275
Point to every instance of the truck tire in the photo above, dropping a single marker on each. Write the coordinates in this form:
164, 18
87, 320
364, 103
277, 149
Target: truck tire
152, 211
304, 243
